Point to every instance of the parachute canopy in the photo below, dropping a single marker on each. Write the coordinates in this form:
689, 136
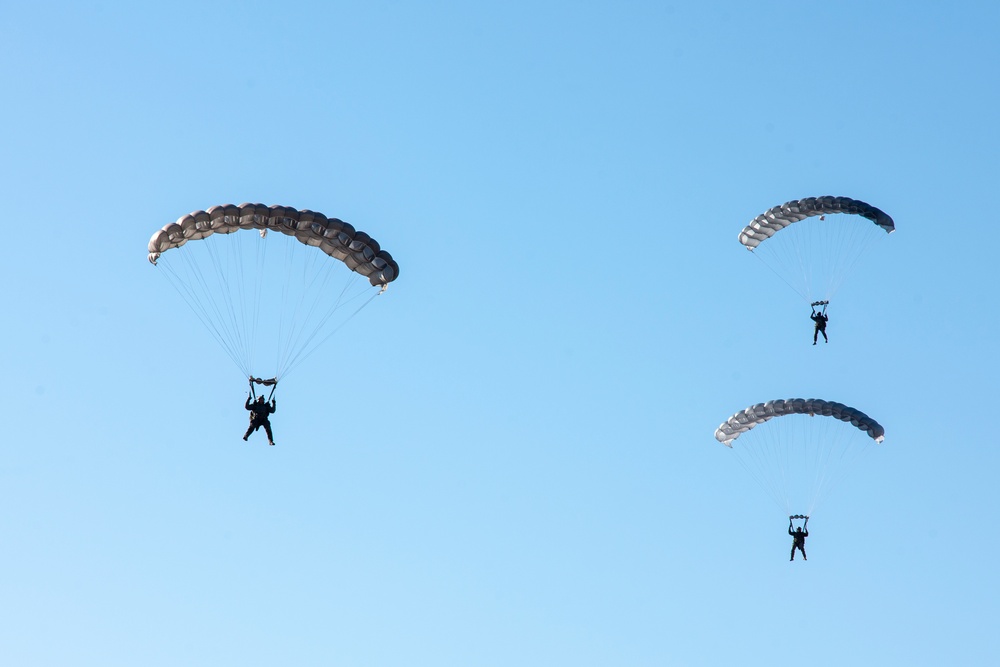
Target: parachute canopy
799, 449
744, 420
271, 300
338, 239
773, 220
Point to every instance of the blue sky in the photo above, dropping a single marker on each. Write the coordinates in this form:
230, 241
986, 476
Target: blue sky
508, 458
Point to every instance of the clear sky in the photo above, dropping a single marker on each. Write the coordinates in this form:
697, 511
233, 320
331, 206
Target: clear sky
508, 458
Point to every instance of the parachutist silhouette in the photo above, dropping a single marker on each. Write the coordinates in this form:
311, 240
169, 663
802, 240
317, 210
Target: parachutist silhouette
798, 538
820, 319
259, 410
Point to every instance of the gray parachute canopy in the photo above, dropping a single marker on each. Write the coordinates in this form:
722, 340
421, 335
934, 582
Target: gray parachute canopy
745, 420
768, 223
338, 239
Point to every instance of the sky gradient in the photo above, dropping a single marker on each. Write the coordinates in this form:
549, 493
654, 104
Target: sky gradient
508, 458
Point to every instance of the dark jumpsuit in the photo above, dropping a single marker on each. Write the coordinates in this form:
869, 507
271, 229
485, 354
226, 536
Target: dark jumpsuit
259, 411
798, 542
820, 319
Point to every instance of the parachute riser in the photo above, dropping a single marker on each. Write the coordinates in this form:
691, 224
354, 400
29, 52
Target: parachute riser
272, 383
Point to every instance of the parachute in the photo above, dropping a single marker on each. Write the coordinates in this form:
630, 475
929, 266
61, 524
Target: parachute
279, 296
814, 257
799, 449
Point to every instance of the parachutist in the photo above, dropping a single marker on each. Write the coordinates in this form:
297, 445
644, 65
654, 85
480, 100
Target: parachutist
820, 319
798, 538
259, 410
